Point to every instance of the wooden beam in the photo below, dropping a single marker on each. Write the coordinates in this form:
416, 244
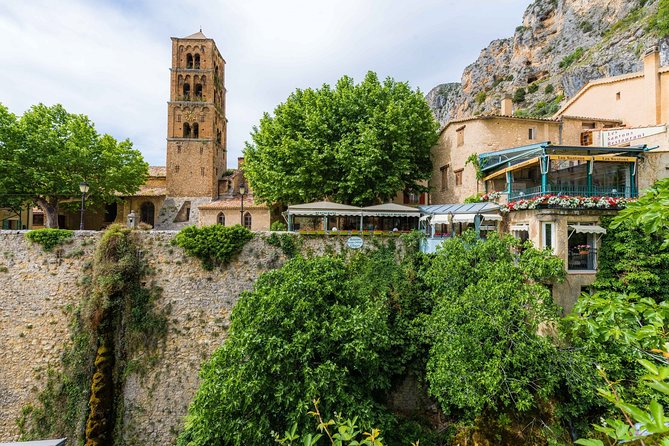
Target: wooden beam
512, 168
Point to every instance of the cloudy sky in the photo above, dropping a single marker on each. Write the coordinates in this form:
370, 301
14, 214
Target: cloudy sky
110, 59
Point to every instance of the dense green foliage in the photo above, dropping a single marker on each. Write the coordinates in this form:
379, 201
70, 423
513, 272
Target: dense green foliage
215, 244
519, 96
486, 352
317, 328
354, 143
660, 21
47, 152
278, 226
650, 212
49, 238
289, 244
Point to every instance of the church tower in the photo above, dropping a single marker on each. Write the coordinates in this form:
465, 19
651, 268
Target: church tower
196, 122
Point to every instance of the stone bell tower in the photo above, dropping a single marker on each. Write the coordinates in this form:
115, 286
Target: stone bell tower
196, 122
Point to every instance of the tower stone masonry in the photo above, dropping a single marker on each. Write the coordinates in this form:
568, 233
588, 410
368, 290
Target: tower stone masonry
196, 120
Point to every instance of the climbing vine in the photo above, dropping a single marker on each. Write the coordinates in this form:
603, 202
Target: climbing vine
115, 321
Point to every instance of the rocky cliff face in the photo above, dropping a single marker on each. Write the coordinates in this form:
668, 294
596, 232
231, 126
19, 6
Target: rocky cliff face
560, 46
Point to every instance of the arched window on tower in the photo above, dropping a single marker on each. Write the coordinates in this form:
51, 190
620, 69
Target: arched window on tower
247, 220
204, 80
186, 91
221, 219
198, 91
189, 60
186, 130
196, 130
196, 61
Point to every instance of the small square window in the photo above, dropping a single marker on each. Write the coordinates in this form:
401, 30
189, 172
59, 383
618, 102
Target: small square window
176, 168
618, 96
532, 133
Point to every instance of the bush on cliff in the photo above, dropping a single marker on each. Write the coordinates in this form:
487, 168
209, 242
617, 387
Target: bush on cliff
215, 244
49, 238
321, 328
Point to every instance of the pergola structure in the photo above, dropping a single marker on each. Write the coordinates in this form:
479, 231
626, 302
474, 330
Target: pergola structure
544, 168
348, 217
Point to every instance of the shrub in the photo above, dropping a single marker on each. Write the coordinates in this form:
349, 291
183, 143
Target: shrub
287, 243
533, 88
213, 245
549, 89
316, 328
278, 226
49, 238
519, 96
571, 58
585, 26
480, 97
660, 21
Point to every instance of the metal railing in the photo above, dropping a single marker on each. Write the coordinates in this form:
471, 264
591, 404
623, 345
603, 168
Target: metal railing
573, 191
582, 260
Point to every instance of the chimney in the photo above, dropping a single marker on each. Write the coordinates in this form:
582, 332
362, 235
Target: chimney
240, 162
651, 79
507, 106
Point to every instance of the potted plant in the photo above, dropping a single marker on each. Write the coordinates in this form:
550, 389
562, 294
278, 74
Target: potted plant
583, 249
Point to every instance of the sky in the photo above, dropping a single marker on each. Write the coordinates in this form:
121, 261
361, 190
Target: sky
110, 59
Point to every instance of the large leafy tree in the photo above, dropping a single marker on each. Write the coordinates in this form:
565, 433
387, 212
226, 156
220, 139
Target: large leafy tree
46, 153
354, 144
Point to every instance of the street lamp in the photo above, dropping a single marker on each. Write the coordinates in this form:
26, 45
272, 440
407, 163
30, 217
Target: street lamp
83, 187
242, 192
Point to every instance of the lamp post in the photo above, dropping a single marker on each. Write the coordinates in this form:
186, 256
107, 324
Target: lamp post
83, 187
242, 192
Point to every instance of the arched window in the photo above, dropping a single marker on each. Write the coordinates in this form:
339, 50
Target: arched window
187, 91
189, 60
186, 130
221, 219
198, 90
247, 220
196, 130
146, 213
197, 61
204, 80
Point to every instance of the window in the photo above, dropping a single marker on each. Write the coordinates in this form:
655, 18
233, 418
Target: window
198, 90
178, 149
186, 130
618, 96
176, 168
202, 117
548, 235
201, 171
532, 133
196, 61
187, 214
38, 219
586, 138
220, 219
581, 250
196, 130
189, 61
444, 177
186, 92
458, 177
460, 136
178, 118
247, 220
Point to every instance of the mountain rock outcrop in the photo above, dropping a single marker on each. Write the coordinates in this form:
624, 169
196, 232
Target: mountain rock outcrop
560, 46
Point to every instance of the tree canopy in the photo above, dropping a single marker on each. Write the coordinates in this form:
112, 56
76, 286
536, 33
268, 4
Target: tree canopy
46, 153
354, 144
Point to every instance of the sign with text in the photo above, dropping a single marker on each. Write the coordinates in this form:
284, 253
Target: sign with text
622, 136
354, 242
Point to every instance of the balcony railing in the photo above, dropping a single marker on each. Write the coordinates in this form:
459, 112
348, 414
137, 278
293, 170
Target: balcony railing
582, 260
573, 191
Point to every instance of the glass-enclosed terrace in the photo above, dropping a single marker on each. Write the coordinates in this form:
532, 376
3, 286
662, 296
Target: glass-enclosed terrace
545, 169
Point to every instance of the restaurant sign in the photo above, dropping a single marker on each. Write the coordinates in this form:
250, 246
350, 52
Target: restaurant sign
622, 136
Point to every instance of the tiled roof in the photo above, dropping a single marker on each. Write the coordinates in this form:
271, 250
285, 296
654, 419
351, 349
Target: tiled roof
196, 36
157, 171
233, 203
494, 116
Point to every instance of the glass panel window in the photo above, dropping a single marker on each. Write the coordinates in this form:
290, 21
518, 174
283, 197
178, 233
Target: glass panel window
548, 235
582, 252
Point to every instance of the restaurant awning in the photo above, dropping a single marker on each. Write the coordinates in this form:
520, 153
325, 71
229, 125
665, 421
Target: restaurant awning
324, 208
520, 227
390, 210
587, 229
461, 213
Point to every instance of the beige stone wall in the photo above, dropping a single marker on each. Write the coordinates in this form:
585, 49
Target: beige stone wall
480, 136
260, 218
38, 290
566, 293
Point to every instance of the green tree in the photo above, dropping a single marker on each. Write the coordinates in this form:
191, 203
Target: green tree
650, 212
47, 152
486, 354
352, 143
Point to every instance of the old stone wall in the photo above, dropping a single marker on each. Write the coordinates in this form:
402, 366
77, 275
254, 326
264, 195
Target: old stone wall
38, 291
